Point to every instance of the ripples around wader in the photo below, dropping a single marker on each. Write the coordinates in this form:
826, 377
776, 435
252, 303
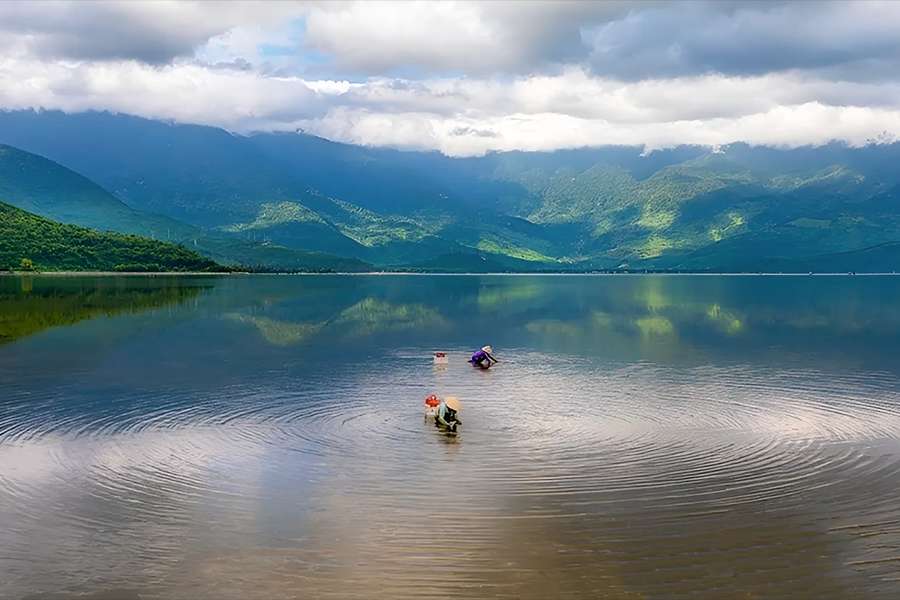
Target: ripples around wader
567, 481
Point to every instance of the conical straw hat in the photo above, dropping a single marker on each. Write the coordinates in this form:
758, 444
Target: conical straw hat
453, 403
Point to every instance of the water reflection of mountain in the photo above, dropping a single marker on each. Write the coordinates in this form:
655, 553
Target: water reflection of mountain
628, 318
367, 317
278, 333
29, 305
619, 317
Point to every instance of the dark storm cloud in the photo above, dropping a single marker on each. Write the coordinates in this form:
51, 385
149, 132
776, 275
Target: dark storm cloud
149, 32
843, 40
443, 38
94, 31
623, 40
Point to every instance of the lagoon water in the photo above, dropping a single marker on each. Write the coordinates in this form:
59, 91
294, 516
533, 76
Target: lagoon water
263, 437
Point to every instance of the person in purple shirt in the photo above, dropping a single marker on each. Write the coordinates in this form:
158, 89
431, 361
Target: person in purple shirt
483, 358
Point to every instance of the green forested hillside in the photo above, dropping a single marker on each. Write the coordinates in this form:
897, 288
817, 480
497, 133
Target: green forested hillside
28, 241
44, 187
726, 210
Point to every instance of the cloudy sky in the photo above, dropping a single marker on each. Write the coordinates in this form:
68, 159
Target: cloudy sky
470, 77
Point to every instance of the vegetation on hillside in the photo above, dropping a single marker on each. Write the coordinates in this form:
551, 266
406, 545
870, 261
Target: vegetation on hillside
331, 225
27, 240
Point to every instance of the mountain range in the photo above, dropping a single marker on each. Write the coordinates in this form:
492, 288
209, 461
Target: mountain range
291, 200
43, 187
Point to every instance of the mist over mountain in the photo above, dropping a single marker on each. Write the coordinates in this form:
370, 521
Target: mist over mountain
737, 207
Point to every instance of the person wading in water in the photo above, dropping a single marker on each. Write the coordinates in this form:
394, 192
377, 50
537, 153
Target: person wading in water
483, 358
447, 417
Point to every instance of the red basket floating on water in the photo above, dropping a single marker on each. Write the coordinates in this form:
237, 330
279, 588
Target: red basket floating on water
432, 401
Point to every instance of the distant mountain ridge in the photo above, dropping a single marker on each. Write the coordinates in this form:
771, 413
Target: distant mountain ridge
736, 208
43, 187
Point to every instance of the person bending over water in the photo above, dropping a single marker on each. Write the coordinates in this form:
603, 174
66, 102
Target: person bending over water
447, 417
483, 358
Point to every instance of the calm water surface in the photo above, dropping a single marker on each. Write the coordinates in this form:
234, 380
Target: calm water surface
263, 437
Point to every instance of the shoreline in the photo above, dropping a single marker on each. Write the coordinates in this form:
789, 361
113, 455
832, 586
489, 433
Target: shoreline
436, 273
108, 274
